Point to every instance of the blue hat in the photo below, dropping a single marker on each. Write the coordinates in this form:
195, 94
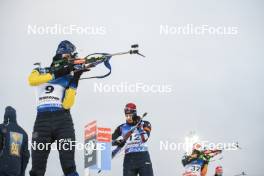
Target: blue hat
65, 47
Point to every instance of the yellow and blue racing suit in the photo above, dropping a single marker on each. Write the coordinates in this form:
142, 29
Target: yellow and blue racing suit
54, 96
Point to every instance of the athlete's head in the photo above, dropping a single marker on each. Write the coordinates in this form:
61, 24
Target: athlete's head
130, 112
65, 47
196, 150
66, 50
218, 171
197, 146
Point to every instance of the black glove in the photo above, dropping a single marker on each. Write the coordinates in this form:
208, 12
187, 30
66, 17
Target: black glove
60, 67
135, 119
62, 71
185, 160
77, 75
119, 143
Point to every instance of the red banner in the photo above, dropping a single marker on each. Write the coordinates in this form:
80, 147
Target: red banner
90, 130
104, 134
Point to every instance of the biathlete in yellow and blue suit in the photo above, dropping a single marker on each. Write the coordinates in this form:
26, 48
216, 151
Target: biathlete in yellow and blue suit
55, 96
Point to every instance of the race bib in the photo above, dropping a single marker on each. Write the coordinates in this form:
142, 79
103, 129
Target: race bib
134, 143
15, 144
133, 140
192, 170
50, 95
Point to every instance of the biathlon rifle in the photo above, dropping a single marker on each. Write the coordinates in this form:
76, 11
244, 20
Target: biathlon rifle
90, 61
209, 154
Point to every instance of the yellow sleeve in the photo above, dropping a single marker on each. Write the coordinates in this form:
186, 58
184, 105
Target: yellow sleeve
35, 78
69, 98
